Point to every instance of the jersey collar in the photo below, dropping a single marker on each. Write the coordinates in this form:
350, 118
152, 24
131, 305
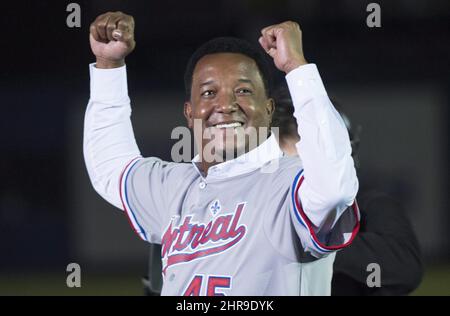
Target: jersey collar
248, 162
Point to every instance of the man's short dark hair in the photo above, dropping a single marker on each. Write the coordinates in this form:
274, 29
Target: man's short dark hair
228, 45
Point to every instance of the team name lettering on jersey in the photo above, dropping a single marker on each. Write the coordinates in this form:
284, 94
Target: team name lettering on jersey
192, 240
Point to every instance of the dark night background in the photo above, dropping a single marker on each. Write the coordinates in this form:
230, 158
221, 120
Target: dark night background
393, 81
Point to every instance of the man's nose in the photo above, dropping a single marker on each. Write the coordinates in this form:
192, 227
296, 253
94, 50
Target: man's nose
226, 103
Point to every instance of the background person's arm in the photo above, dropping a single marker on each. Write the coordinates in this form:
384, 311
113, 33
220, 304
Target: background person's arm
387, 239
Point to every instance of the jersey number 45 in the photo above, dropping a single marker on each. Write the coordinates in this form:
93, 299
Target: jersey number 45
213, 283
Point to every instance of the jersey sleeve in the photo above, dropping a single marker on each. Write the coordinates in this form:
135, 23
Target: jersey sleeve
143, 198
337, 230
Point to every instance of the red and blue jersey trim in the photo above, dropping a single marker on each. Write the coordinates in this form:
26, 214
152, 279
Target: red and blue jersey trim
125, 201
306, 223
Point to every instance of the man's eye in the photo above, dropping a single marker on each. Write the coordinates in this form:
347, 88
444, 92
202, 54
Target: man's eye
244, 91
207, 93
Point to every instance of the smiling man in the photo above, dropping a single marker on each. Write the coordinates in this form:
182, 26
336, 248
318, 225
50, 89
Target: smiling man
227, 93
228, 224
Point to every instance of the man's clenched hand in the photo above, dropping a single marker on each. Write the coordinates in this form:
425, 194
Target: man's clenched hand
112, 39
283, 42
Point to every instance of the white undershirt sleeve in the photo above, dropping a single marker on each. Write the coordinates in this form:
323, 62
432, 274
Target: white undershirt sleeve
108, 143
330, 184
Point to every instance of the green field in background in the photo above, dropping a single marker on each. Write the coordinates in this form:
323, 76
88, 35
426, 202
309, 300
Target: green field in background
436, 282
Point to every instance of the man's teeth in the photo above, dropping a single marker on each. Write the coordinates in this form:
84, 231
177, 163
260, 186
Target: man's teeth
230, 125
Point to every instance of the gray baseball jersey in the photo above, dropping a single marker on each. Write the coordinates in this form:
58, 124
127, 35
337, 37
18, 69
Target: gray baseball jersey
241, 235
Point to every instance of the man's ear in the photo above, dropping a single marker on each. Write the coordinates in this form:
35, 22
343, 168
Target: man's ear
188, 114
270, 109
270, 106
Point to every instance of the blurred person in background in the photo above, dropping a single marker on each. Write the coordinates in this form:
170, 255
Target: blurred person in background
386, 236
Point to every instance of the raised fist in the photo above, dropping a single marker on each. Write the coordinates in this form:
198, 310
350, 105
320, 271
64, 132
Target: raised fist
283, 42
112, 39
